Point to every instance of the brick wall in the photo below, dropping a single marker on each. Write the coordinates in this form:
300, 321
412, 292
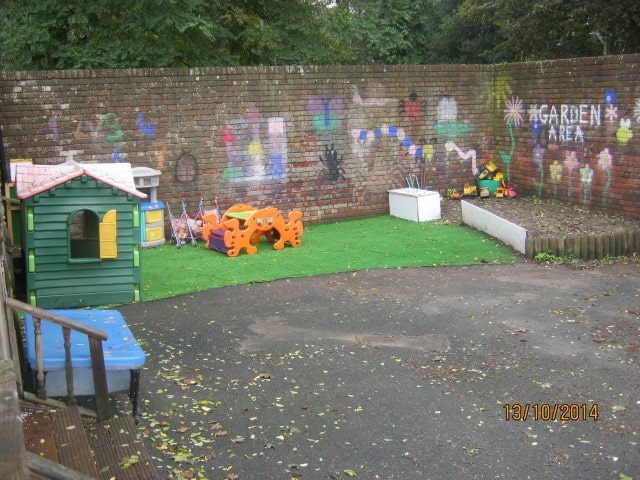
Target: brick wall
578, 139
331, 141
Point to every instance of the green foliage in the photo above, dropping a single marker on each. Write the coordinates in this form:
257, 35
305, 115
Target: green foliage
75, 34
546, 257
570, 257
409, 31
547, 29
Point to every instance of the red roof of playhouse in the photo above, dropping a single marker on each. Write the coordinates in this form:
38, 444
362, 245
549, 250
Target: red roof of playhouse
34, 179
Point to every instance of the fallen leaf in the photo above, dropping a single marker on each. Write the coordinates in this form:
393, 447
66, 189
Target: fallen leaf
129, 461
349, 472
182, 457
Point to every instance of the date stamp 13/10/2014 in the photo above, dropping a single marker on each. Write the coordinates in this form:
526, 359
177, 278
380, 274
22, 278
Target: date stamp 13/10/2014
548, 412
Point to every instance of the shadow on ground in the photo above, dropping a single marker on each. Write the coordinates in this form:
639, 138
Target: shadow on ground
398, 374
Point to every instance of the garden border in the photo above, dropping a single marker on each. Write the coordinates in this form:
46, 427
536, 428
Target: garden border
585, 247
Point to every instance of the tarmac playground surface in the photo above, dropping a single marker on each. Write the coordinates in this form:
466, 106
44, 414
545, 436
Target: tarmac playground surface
495, 371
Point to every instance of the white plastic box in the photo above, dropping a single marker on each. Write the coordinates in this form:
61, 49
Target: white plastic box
414, 204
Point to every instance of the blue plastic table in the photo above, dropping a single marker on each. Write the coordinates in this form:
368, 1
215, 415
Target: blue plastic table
123, 357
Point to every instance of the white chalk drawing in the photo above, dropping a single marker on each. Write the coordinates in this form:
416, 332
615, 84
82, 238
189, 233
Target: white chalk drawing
469, 154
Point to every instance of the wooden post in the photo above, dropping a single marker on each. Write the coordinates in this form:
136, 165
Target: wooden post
528, 247
68, 365
103, 409
630, 249
591, 247
599, 247
606, 247
612, 245
574, 243
584, 251
536, 247
40, 387
544, 244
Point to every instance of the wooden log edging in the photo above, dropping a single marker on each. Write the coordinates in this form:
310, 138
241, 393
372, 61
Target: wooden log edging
586, 247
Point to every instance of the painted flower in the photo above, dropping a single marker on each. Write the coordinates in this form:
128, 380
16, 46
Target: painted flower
624, 132
556, 171
427, 151
538, 154
513, 112
536, 126
636, 110
586, 175
610, 97
571, 160
605, 159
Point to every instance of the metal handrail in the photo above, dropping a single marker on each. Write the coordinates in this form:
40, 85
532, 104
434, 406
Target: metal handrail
96, 337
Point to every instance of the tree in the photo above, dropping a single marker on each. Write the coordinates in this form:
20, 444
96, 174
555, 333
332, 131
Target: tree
74, 34
381, 30
414, 32
546, 29
67, 34
279, 32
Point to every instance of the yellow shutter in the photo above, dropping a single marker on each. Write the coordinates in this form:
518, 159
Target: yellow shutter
108, 235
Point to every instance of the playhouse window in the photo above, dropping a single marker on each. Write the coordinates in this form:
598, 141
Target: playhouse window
84, 235
91, 239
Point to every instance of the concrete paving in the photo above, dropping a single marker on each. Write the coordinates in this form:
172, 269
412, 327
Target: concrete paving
519, 371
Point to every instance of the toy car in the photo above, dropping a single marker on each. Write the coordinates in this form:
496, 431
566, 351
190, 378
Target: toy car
509, 192
470, 190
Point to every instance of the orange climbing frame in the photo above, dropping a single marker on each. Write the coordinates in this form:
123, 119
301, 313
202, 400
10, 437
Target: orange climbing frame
242, 226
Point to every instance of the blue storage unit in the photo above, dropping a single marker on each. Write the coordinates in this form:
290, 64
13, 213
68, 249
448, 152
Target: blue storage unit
123, 357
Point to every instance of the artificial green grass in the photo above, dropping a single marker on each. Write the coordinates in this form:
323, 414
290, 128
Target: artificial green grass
369, 243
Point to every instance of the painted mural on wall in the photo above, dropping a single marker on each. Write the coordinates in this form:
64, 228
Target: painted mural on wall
255, 148
564, 139
410, 138
513, 117
327, 113
103, 132
346, 142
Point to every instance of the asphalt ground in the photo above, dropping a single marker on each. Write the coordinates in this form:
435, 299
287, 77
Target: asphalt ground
517, 372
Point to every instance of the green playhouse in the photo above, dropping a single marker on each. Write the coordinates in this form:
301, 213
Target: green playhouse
80, 234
